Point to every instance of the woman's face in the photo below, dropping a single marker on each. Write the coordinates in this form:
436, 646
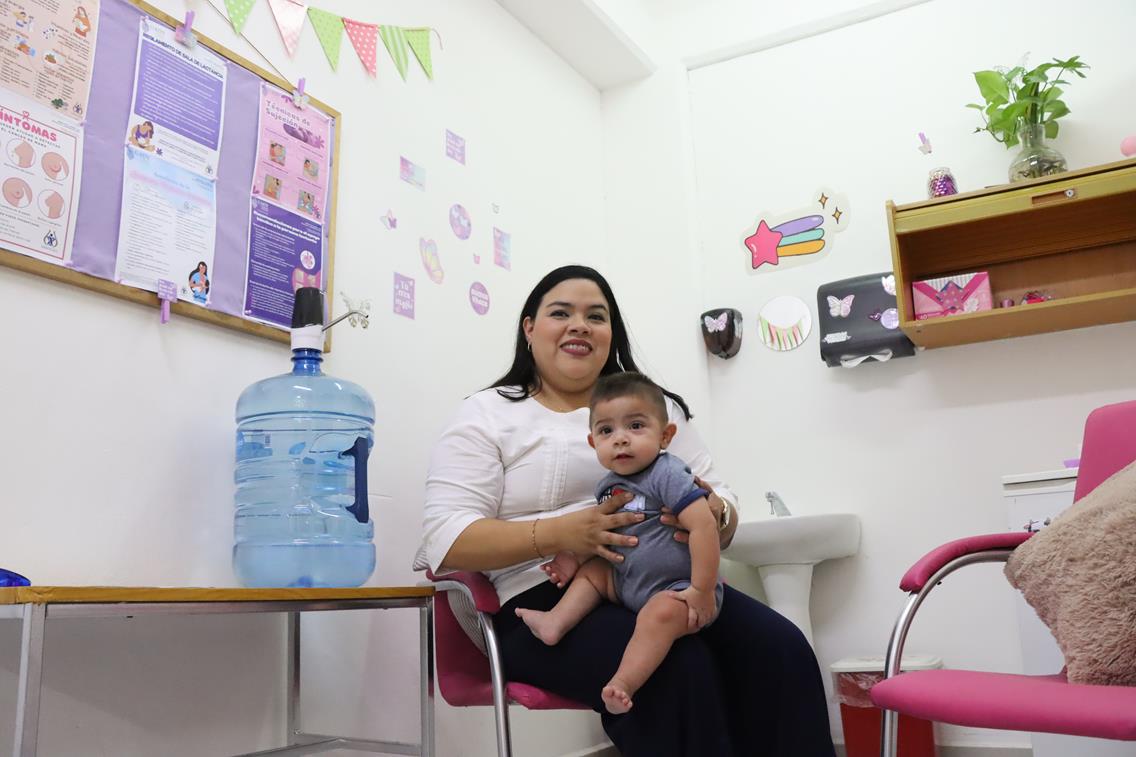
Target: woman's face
570, 334
201, 268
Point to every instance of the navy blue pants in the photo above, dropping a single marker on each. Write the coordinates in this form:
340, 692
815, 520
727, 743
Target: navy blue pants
748, 685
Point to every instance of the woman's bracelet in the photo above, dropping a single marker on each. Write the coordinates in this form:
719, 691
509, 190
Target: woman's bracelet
535, 547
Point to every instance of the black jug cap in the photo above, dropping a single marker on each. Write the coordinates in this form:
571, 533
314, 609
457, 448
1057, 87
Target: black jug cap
307, 308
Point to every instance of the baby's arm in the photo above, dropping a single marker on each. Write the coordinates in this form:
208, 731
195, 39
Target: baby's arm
699, 520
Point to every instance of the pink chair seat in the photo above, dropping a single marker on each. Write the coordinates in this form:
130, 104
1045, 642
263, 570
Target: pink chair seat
463, 671
1045, 704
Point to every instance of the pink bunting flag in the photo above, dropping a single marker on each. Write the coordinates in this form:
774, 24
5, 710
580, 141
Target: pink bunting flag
363, 38
290, 15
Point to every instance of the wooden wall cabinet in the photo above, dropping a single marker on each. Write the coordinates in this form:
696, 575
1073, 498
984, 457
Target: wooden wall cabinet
1072, 236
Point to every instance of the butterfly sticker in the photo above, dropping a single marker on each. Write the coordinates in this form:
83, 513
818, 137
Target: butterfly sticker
389, 220
840, 308
714, 325
924, 144
888, 283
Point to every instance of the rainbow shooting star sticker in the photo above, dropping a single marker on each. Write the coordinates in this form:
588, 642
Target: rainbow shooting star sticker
799, 236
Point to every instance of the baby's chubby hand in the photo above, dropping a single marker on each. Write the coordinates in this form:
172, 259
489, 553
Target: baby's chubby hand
701, 606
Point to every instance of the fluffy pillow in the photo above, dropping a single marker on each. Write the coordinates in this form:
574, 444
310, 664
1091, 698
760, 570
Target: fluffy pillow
1079, 574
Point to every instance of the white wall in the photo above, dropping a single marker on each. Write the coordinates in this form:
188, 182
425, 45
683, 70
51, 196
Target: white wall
916, 447
118, 444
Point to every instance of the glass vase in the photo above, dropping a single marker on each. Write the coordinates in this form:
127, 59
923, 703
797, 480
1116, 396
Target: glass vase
1036, 158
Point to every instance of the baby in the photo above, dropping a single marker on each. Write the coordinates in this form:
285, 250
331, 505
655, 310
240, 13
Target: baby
674, 588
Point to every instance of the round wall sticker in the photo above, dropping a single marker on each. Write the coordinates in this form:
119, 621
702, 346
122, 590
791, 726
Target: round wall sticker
479, 298
784, 323
459, 222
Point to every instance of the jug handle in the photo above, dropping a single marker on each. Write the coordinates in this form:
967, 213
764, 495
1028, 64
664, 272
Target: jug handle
361, 451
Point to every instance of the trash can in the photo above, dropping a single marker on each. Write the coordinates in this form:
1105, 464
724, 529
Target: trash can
852, 679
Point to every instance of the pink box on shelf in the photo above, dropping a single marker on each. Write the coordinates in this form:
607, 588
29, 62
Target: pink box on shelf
952, 295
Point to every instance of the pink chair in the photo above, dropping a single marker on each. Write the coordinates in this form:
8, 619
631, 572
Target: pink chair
466, 676
1001, 700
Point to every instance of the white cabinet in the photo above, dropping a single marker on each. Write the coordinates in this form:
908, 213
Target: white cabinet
1034, 498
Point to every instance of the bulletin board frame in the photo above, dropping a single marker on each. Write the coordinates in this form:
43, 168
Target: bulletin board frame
20, 262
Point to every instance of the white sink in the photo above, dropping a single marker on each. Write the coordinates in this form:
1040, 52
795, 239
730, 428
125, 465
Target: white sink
784, 551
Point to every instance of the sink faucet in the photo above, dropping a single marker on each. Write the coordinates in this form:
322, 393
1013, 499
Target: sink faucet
776, 506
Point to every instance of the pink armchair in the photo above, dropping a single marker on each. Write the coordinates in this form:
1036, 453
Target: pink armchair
466, 676
1001, 700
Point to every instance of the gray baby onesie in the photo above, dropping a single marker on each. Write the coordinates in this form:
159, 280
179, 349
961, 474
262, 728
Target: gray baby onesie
658, 562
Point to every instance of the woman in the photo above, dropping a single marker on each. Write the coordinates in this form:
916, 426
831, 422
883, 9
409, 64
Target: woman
511, 483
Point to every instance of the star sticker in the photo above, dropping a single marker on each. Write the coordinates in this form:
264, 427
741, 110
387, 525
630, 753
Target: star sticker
763, 245
823, 199
837, 213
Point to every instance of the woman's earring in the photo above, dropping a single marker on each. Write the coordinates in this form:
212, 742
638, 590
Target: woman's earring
530, 345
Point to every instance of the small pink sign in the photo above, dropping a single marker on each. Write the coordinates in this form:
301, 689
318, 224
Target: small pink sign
404, 296
479, 298
502, 249
455, 147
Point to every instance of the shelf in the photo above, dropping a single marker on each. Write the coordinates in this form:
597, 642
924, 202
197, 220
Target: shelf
1073, 235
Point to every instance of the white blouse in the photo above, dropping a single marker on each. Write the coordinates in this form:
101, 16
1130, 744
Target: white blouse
520, 461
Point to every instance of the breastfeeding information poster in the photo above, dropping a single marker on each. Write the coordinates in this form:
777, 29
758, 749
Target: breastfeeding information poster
167, 227
287, 208
285, 253
39, 187
177, 111
292, 154
47, 49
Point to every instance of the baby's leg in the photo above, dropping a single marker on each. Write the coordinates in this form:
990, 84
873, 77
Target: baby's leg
592, 584
662, 620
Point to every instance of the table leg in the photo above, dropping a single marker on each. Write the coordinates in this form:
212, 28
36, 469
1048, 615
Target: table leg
31, 678
426, 673
293, 676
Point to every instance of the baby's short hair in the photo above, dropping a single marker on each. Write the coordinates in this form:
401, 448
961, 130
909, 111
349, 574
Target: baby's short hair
628, 384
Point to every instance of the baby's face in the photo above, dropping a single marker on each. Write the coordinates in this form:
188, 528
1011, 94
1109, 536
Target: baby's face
627, 434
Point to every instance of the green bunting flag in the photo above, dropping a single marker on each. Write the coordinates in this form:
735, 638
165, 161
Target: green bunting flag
395, 42
419, 41
239, 12
329, 29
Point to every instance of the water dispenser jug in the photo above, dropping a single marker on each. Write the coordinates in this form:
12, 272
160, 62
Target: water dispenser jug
303, 439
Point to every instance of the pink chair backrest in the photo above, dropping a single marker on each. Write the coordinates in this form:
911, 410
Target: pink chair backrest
1108, 446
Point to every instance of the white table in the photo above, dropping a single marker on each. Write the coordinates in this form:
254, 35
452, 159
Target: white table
35, 605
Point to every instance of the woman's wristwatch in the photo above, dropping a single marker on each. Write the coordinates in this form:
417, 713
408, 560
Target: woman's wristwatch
724, 518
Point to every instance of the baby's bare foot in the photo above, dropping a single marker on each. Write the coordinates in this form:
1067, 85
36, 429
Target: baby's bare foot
543, 625
615, 697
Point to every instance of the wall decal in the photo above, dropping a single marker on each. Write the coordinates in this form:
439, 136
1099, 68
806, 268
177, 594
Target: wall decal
796, 237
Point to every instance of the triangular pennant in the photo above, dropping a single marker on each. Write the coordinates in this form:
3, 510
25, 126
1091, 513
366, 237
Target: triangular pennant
419, 41
290, 20
362, 36
239, 12
329, 29
395, 42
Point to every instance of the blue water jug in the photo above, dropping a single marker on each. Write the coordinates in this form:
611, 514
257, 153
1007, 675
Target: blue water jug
303, 440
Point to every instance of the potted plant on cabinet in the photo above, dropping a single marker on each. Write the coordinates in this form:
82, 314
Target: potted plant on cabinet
1022, 107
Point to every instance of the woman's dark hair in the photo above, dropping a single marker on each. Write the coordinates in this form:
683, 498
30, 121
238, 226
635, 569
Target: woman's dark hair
521, 380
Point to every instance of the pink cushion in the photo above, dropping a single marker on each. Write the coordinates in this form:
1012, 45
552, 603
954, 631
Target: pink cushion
919, 573
1012, 702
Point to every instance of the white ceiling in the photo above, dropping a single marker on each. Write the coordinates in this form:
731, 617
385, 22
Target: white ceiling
586, 37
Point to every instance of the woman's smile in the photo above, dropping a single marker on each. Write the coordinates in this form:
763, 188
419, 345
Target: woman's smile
577, 347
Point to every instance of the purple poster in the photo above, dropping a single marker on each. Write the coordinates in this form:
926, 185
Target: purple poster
285, 253
178, 104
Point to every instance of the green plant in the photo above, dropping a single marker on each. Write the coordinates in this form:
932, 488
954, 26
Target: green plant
1017, 98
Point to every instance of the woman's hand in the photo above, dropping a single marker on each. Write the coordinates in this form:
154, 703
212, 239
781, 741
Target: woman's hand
717, 505
591, 530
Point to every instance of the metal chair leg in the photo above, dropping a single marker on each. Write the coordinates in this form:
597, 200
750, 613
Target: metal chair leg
497, 676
